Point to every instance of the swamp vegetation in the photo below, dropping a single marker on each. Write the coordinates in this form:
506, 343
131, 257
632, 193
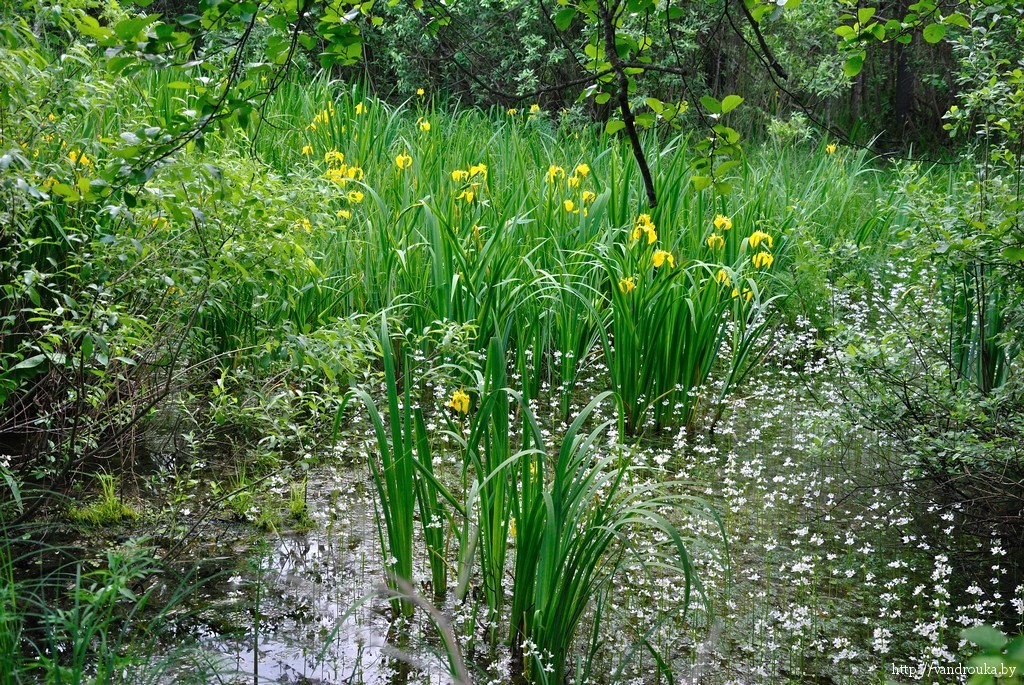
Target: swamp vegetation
323, 359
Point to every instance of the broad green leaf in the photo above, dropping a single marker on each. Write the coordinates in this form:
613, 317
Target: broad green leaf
933, 33
1015, 650
700, 182
614, 126
864, 15
90, 27
1014, 254
957, 19
129, 28
646, 119
853, 65
731, 102
730, 135
564, 17
986, 637
711, 104
30, 363
64, 190
725, 167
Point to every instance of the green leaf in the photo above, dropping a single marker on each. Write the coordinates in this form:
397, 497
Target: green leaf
1015, 650
700, 182
957, 19
90, 27
725, 167
129, 28
853, 65
602, 98
933, 33
864, 15
986, 637
1014, 254
64, 190
564, 17
729, 135
614, 126
646, 119
28, 364
731, 102
656, 104
711, 104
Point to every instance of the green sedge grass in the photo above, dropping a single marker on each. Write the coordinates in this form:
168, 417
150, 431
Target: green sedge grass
666, 327
489, 461
394, 474
410, 239
572, 509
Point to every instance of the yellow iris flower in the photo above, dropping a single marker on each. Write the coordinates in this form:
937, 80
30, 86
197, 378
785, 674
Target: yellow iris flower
554, 172
459, 401
644, 225
662, 256
757, 237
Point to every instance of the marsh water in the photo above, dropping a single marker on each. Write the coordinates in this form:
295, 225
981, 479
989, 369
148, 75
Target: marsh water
307, 606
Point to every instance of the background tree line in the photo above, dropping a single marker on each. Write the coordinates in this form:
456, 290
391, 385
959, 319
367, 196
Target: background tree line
495, 52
